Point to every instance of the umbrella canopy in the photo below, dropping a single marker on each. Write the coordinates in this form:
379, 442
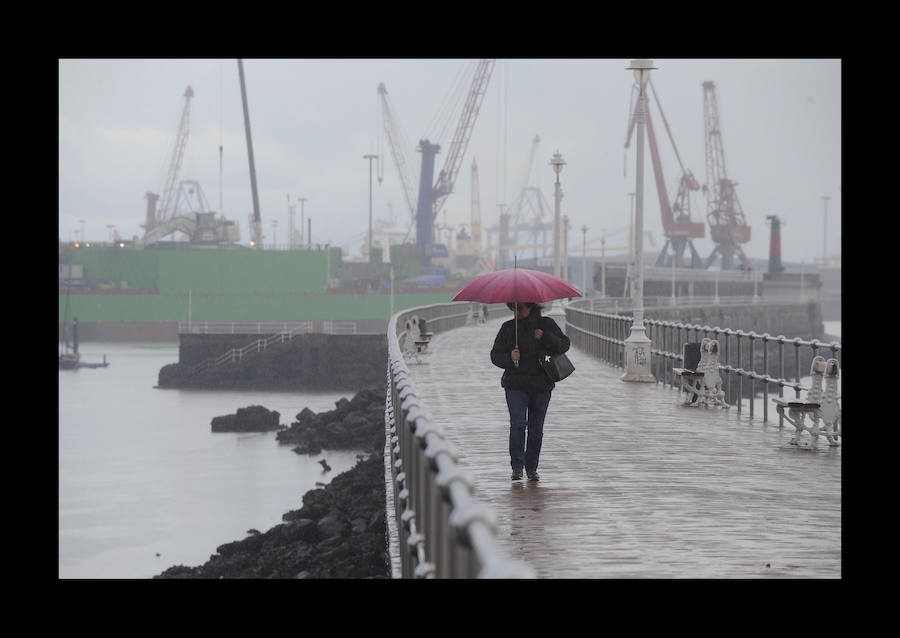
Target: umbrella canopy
516, 284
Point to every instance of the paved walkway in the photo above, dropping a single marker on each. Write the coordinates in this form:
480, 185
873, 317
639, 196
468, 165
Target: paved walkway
634, 485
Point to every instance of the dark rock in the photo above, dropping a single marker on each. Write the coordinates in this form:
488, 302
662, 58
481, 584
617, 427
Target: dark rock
358, 525
333, 525
303, 529
357, 423
255, 418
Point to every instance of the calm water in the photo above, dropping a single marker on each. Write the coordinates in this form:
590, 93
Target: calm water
141, 473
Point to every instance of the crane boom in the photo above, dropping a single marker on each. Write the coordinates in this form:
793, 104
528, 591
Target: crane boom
392, 132
164, 212
677, 225
447, 176
727, 224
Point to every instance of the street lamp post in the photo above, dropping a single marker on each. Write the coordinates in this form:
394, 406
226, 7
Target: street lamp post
637, 345
302, 219
584, 259
557, 162
603, 265
631, 228
825, 199
370, 157
674, 255
291, 209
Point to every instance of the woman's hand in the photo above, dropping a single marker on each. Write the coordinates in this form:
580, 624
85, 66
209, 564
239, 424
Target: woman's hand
538, 333
516, 355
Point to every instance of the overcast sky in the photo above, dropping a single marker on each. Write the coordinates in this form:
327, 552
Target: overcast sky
313, 120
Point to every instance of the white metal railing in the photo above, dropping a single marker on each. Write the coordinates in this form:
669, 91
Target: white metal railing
603, 334
441, 530
339, 327
244, 327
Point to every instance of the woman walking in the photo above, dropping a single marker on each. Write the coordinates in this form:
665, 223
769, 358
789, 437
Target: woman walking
516, 349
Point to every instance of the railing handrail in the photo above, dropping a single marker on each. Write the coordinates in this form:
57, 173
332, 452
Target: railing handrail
423, 479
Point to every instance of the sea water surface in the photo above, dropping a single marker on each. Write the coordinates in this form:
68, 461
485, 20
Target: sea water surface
144, 484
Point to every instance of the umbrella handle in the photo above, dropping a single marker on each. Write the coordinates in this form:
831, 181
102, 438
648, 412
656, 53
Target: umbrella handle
516, 312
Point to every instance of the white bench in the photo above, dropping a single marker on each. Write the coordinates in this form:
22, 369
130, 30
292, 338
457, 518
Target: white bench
704, 384
415, 342
821, 404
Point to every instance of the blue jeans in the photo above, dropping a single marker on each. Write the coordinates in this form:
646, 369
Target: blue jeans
526, 409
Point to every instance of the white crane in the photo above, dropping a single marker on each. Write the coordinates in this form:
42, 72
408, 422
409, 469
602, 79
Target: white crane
157, 215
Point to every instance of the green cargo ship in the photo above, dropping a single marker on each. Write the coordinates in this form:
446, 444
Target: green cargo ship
124, 293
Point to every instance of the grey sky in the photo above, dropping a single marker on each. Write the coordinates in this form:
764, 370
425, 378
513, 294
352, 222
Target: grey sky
313, 120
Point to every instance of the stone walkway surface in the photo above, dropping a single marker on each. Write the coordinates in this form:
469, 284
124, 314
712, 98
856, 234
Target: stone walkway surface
633, 484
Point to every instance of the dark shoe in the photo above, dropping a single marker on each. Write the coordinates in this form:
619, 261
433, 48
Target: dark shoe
534, 476
517, 475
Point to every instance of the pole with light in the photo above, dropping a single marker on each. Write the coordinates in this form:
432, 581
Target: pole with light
557, 162
302, 218
370, 157
584, 259
825, 199
603, 264
637, 345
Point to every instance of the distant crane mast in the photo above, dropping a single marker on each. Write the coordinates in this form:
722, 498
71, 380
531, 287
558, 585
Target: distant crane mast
158, 214
256, 236
727, 224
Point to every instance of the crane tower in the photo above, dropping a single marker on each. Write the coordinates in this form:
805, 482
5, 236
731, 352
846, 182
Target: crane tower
727, 224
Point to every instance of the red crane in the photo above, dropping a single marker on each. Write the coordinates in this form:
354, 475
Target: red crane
678, 228
727, 224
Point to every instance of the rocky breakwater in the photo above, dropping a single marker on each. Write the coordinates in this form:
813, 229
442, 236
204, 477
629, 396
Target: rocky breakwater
340, 529
357, 423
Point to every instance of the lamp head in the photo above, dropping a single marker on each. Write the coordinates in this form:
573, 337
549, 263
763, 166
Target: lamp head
642, 70
557, 162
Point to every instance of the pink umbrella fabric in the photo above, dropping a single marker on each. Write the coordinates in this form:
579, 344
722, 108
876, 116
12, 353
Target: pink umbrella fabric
516, 285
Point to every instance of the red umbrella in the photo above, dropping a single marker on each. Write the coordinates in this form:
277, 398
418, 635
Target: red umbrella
516, 284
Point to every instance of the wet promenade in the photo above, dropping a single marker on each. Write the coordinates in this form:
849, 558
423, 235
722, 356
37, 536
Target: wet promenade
634, 485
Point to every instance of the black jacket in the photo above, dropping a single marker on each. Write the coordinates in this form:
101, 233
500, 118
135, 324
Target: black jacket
529, 375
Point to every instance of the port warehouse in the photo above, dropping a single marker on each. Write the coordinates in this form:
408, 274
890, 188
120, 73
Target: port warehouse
121, 292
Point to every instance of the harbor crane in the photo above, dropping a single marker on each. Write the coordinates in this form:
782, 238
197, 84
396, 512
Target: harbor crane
200, 224
430, 198
727, 224
678, 228
159, 208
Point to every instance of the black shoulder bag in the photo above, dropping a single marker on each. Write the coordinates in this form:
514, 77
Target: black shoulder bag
556, 366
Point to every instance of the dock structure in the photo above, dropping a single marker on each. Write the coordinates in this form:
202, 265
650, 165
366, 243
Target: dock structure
633, 483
